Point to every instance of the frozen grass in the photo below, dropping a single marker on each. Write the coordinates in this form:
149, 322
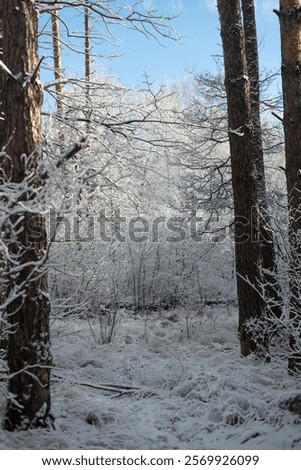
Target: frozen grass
195, 393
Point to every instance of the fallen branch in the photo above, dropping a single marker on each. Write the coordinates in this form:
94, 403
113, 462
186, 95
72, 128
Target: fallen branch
123, 389
110, 388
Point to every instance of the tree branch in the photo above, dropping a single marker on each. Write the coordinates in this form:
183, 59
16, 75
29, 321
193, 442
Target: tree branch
71, 152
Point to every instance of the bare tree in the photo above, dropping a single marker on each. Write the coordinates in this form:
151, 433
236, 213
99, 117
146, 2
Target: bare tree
87, 43
57, 58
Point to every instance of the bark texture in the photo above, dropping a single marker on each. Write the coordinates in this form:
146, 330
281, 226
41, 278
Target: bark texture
290, 25
27, 302
244, 177
266, 236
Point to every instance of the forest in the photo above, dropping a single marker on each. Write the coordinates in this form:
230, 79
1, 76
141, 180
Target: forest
150, 263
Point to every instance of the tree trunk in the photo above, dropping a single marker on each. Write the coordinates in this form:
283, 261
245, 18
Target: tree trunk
3, 263
57, 59
244, 179
265, 232
290, 25
87, 65
27, 301
87, 44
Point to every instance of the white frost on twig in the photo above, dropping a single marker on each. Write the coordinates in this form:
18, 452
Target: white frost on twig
236, 131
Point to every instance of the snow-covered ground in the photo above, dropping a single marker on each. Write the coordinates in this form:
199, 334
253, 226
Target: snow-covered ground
190, 393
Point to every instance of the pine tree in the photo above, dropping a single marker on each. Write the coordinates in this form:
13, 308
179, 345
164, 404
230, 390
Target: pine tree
290, 25
244, 167
27, 302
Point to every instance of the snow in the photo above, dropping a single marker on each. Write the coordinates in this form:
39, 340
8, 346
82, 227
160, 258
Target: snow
195, 393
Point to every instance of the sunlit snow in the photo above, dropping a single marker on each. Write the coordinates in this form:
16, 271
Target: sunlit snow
195, 393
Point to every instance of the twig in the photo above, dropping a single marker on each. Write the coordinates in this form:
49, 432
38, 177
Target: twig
54, 83
277, 116
35, 72
277, 12
5, 69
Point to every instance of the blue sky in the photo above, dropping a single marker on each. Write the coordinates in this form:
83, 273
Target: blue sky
199, 26
200, 46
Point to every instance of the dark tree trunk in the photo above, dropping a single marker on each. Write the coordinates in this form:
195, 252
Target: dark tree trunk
244, 178
265, 231
27, 301
3, 263
290, 25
